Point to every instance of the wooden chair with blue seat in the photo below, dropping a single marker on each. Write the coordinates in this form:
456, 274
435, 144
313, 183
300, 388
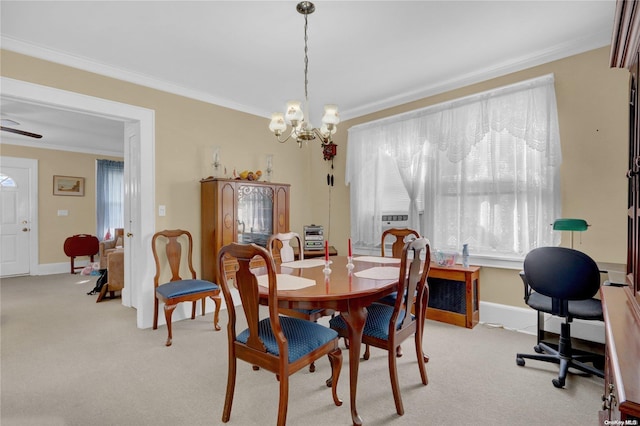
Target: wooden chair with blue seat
398, 238
169, 286
280, 245
562, 282
388, 326
280, 344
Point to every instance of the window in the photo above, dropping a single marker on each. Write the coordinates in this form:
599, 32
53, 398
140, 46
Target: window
7, 181
109, 197
481, 170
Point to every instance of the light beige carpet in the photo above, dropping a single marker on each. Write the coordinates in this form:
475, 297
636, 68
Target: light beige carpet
67, 360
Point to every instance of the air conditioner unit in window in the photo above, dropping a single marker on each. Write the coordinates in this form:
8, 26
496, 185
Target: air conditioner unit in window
395, 220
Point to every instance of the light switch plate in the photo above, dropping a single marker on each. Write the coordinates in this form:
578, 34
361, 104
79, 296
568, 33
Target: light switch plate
162, 210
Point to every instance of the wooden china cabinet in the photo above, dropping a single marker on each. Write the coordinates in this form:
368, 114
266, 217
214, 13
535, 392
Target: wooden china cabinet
242, 211
621, 304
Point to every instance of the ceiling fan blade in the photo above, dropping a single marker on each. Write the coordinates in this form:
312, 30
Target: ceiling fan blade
8, 122
20, 132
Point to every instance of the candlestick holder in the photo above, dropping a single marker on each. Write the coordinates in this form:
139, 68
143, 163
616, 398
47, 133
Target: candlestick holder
350, 265
327, 268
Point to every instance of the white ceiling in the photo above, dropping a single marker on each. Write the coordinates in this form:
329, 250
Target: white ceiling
249, 55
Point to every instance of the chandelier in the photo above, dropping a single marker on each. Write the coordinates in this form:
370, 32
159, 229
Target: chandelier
300, 126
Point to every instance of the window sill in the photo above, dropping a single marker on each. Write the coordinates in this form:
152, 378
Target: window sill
515, 263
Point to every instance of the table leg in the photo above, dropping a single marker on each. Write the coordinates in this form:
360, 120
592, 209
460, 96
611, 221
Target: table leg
355, 319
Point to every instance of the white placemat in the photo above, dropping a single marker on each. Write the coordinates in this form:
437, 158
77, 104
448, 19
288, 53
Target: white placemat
376, 259
287, 282
306, 263
379, 273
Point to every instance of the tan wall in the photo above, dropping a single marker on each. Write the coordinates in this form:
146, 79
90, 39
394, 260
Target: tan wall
592, 106
54, 229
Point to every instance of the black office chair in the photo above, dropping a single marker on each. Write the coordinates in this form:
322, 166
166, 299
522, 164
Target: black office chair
562, 282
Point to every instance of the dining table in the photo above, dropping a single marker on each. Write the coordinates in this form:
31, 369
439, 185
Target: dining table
346, 287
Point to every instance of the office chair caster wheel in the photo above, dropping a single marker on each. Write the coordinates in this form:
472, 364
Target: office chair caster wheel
558, 383
520, 362
538, 349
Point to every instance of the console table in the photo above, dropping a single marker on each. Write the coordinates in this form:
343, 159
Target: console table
454, 295
309, 254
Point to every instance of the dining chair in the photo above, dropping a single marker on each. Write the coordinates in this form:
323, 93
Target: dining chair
280, 344
399, 237
388, 326
279, 245
169, 286
397, 246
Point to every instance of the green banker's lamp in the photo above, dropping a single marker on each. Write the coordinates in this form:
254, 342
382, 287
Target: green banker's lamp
573, 225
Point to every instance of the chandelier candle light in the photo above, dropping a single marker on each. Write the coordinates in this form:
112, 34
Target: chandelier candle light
301, 128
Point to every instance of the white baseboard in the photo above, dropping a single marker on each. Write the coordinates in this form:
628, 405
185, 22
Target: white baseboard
525, 320
58, 268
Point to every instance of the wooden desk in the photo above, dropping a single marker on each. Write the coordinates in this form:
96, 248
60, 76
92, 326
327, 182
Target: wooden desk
344, 292
454, 294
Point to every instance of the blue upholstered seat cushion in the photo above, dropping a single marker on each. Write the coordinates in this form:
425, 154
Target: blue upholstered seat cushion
303, 336
377, 324
183, 287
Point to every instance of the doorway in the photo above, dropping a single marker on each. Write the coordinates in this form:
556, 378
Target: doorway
139, 140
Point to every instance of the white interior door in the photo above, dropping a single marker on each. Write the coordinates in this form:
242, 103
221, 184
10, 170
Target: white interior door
18, 185
131, 210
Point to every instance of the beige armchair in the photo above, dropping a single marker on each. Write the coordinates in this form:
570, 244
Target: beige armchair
107, 246
115, 274
112, 259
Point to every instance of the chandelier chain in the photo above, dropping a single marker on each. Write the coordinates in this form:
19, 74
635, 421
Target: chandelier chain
306, 59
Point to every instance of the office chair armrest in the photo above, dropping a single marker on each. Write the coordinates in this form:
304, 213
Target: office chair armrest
527, 288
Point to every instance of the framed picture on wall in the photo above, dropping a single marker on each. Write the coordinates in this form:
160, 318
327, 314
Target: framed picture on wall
68, 185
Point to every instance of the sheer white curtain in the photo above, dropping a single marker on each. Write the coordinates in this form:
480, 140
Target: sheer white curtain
486, 167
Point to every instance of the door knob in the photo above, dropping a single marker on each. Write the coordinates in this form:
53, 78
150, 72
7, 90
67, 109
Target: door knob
25, 229
129, 234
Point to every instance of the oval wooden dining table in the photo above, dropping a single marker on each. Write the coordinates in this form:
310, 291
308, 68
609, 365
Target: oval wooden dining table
343, 291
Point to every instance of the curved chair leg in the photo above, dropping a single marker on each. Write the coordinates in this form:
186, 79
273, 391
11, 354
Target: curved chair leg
216, 313
395, 387
168, 312
420, 356
193, 309
284, 400
335, 358
155, 313
367, 353
231, 385
399, 351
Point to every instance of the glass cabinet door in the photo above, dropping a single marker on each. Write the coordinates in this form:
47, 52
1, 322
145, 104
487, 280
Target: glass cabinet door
255, 214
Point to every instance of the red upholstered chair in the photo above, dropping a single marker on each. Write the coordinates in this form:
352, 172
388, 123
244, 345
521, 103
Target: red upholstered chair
280, 344
171, 289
